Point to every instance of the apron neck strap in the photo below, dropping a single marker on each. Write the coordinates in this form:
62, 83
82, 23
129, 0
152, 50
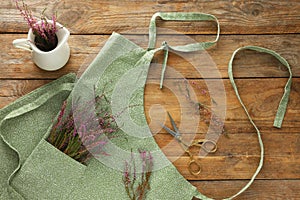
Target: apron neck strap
182, 16
179, 16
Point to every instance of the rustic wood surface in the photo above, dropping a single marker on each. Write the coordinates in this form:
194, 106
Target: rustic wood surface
260, 79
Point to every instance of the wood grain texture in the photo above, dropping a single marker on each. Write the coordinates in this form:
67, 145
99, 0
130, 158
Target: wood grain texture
260, 97
16, 63
105, 16
240, 167
261, 189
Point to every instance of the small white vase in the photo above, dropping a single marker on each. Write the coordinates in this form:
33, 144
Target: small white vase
50, 60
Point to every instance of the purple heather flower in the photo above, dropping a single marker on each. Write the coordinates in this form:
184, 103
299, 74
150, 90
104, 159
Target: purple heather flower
45, 32
81, 138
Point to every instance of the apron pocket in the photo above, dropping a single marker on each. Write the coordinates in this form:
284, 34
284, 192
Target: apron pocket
47, 173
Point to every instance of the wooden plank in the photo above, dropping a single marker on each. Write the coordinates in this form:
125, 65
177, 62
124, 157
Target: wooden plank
276, 144
241, 167
261, 105
260, 97
10, 90
113, 15
16, 63
237, 157
18, 88
260, 189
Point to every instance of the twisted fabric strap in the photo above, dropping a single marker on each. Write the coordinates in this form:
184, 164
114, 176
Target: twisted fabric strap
280, 112
179, 16
284, 100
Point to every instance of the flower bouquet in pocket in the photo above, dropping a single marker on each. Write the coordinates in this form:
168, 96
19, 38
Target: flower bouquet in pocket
82, 131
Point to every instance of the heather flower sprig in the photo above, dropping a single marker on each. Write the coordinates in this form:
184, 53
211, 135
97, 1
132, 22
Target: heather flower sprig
44, 32
209, 117
81, 132
138, 190
216, 122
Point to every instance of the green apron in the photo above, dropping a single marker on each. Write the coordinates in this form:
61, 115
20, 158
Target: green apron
31, 168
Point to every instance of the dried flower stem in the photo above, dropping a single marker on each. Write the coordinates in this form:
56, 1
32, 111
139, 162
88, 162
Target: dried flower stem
205, 110
134, 190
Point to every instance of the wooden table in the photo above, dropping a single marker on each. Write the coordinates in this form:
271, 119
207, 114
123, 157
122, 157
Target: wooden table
260, 78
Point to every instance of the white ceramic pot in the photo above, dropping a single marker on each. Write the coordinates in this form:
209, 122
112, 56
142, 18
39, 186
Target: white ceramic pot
50, 60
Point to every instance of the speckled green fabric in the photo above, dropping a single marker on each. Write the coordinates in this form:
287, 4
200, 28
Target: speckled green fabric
23, 124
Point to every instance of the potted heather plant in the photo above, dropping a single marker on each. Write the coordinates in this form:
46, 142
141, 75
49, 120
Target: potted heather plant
47, 39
